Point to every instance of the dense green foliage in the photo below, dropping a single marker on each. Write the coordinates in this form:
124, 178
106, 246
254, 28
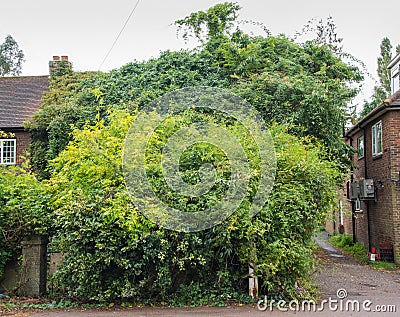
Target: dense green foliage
113, 252
23, 210
11, 57
305, 84
216, 22
51, 126
110, 250
346, 243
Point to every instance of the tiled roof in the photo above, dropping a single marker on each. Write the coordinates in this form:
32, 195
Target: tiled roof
394, 99
20, 99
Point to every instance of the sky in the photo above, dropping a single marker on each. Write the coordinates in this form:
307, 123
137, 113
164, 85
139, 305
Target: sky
85, 30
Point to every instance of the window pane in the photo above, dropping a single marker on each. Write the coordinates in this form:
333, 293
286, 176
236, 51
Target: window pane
377, 138
358, 204
360, 147
373, 140
395, 83
8, 151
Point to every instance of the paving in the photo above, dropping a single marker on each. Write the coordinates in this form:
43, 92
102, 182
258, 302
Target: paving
348, 289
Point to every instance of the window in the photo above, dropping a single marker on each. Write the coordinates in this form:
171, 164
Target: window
8, 151
360, 147
377, 138
358, 205
395, 83
394, 73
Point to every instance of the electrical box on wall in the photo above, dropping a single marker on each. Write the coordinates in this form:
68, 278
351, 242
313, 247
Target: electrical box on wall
367, 189
354, 190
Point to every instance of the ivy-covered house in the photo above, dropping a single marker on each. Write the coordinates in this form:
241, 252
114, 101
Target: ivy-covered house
20, 98
372, 192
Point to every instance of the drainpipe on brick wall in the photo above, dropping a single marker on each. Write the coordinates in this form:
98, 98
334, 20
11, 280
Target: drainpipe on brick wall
366, 201
396, 222
353, 207
396, 219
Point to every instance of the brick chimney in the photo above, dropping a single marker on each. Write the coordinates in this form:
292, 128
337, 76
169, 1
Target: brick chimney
59, 66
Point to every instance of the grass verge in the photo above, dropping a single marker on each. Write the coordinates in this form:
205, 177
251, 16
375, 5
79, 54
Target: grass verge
345, 243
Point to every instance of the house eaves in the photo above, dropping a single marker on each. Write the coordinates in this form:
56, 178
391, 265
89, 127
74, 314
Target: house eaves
390, 104
394, 61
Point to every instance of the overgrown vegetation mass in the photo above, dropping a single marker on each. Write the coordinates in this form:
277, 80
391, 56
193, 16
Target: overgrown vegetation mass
111, 251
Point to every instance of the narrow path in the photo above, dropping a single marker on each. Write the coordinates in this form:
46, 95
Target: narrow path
322, 240
341, 272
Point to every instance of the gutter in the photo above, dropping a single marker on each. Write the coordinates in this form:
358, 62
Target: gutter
389, 104
384, 107
17, 129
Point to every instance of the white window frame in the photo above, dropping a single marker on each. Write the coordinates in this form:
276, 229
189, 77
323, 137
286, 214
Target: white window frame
360, 150
395, 82
376, 133
13, 160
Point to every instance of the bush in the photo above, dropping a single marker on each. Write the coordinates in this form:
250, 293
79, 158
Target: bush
112, 252
345, 242
23, 210
342, 240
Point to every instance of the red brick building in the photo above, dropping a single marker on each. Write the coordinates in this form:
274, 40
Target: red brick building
20, 98
370, 206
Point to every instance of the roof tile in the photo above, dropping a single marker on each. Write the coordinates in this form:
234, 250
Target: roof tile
20, 98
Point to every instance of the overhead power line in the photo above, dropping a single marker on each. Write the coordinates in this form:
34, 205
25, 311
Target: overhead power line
119, 34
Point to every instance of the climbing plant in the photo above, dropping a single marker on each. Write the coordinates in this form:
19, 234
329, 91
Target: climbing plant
23, 210
111, 251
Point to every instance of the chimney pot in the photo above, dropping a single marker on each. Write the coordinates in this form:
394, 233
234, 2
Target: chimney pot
59, 66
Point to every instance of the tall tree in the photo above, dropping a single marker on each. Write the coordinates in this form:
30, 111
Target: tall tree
383, 62
383, 89
11, 57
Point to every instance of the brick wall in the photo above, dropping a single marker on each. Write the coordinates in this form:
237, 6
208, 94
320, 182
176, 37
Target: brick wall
394, 174
384, 213
22, 145
381, 211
